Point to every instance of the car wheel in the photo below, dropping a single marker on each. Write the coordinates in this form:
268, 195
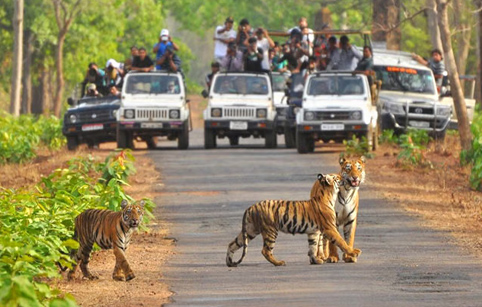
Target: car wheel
183, 138
209, 138
234, 140
151, 142
72, 143
290, 137
303, 143
271, 139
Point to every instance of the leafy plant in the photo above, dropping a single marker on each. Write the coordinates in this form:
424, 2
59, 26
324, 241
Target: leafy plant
388, 137
357, 147
413, 145
474, 155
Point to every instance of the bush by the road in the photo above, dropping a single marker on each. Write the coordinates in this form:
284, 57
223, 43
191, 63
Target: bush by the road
36, 226
474, 155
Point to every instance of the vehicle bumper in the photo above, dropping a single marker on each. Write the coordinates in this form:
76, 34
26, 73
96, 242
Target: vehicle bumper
97, 131
318, 133
222, 127
152, 128
402, 123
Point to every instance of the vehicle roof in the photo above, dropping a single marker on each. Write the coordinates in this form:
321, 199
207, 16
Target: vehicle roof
324, 32
396, 58
156, 72
338, 72
242, 73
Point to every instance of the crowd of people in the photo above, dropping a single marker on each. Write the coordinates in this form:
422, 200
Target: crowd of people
108, 81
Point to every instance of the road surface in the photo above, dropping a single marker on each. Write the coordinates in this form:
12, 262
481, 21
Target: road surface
205, 193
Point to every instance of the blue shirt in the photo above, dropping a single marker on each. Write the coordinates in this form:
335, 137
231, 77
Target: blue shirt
161, 51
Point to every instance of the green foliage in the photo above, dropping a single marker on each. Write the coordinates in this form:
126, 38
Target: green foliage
36, 227
20, 137
388, 137
473, 156
413, 145
357, 147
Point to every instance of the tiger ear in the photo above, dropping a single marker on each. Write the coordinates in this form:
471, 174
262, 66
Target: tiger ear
342, 160
123, 204
320, 177
142, 203
363, 159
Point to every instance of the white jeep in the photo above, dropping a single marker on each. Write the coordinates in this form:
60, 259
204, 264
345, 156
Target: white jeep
240, 105
336, 106
153, 104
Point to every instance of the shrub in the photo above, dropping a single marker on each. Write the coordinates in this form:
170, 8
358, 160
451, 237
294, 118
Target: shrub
357, 147
413, 145
474, 155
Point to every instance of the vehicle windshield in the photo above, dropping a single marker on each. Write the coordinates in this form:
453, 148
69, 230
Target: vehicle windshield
336, 85
279, 82
241, 85
406, 79
97, 100
152, 84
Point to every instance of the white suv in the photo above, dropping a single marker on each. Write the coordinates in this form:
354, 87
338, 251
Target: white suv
153, 104
336, 105
240, 105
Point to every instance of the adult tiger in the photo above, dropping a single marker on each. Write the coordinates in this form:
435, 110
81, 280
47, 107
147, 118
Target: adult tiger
271, 216
353, 174
108, 229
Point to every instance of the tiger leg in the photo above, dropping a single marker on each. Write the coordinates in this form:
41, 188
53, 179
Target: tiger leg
269, 240
336, 239
349, 230
121, 265
236, 244
314, 248
331, 251
83, 255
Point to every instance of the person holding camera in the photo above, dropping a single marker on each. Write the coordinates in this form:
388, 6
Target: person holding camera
114, 73
265, 43
142, 62
253, 57
160, 48
233, 60
222, 37
96, 76
169, 61
244, 33
92, 91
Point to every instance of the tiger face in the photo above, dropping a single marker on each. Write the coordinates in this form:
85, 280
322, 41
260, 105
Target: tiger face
132, 213
353, 171
331, 180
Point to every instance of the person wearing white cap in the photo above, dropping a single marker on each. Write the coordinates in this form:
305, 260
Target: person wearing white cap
114, 72
160, 48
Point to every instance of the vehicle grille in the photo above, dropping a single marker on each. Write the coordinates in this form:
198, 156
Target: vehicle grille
239, 112
152, 114
94, 116
338, 115
281, 111
419, 110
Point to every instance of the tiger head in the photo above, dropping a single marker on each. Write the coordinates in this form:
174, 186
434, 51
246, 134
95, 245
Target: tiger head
353, 171
330, 182
132, 214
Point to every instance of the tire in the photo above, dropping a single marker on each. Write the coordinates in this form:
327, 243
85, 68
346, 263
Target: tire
209, 139
290, 137
271, 139
72, 143
183, 138
124, 140
234, 140
151, 142
303, 143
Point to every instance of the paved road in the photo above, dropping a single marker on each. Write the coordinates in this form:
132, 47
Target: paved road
206, 193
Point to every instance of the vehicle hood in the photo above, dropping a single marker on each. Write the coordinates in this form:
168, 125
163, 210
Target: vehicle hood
404, 97
92, 106
278, 98
335, 102
237, 100
153, 100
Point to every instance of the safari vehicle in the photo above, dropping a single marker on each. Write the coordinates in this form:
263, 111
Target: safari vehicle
408, 95
240, 105
336, 105
279, 97
153, 104
446, 99
90, 120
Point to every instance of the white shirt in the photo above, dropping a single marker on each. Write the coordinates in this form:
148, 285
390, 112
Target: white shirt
310, 36
264, 45
220, 48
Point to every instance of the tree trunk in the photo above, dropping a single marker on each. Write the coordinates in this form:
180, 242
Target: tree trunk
432, 23
478, 91
462, 37
27, 76
386, 15
59, 63
457, 93
17, 58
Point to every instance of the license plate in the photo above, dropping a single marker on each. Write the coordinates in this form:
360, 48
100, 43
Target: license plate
92, 127
151, 125
331, 127
238, 125
419, 124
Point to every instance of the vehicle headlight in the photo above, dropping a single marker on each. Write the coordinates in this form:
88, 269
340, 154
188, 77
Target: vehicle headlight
73, 118
309, 115
296, 110
216, 112
261, 113
129, 113
356, 115
114, 113
393, 108
444, 111
174, 114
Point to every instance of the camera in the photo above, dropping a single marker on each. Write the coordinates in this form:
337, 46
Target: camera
92, 72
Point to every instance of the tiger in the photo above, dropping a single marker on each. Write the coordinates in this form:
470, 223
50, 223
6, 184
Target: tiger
346, 208
109, 229
268, 217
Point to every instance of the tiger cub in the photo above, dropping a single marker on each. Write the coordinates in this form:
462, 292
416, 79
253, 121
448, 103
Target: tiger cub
108, 229
271, 216
353, 174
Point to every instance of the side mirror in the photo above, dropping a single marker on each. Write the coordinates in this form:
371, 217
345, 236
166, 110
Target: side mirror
70, 101
205, 93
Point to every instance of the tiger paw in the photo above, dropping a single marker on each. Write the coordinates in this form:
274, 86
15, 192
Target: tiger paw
91, 276
130, 276
317, 260
279, 263
118, 277
332, 259
350, 259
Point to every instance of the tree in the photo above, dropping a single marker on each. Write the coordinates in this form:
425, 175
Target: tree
457, 93
432, 24
17, 58
386, 21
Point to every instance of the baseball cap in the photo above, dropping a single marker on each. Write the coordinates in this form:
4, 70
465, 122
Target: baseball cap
91, 87
164, 32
